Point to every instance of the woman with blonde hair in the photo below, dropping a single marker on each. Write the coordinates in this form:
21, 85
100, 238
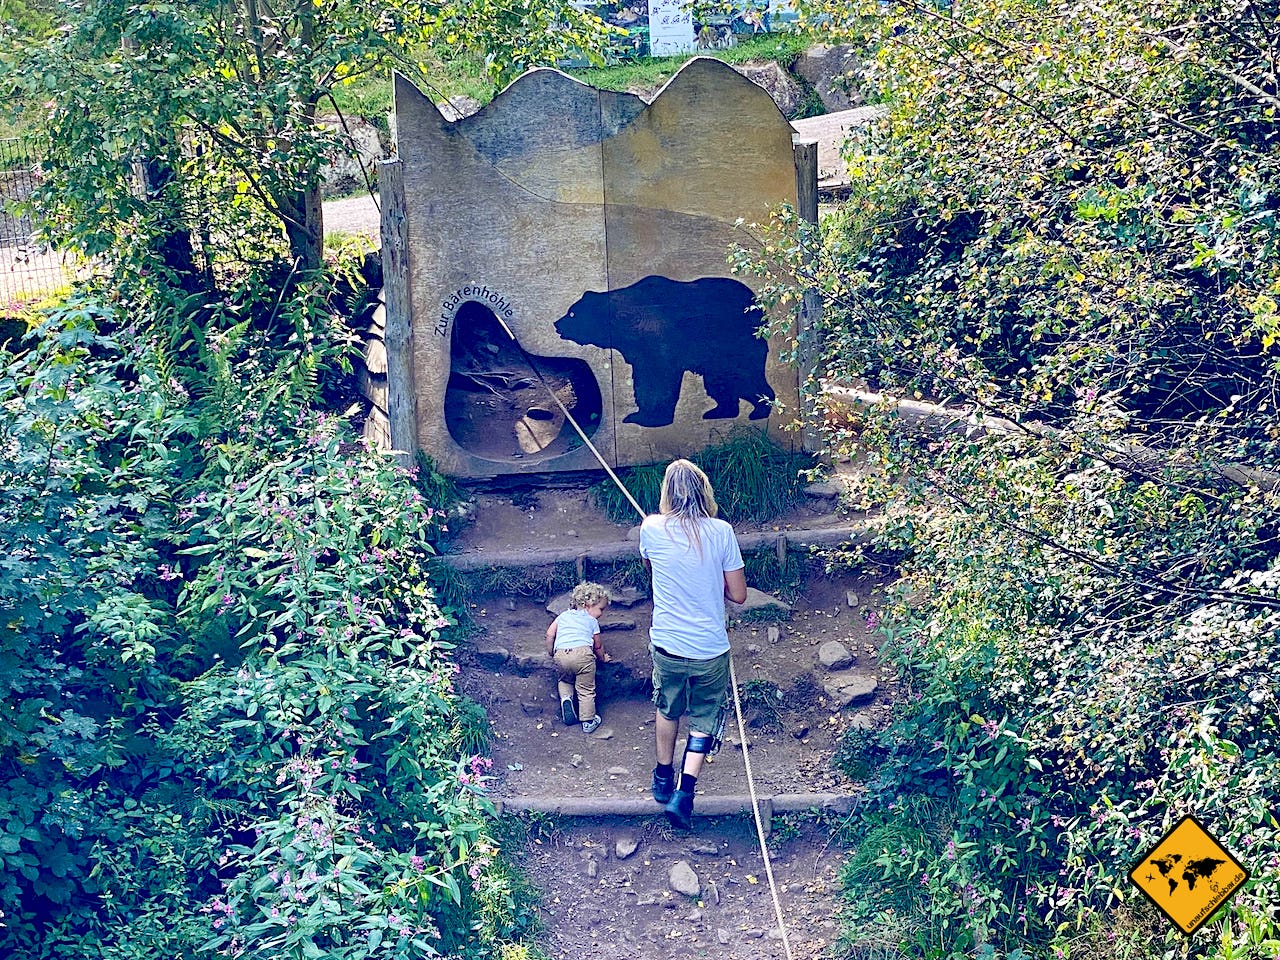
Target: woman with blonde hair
696, 565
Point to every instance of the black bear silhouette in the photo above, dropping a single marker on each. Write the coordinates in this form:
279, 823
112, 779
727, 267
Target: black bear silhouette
663, 327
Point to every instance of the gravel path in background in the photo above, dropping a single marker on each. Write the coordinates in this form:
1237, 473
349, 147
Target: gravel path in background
353, 215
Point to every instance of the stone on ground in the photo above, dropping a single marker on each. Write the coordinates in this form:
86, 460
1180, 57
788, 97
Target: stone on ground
684, 880
827, 490
849, 689
834, 655
625, 846
759, 602
491, 656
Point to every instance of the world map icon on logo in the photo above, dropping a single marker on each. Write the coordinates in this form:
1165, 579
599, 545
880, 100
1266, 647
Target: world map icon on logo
1188, 875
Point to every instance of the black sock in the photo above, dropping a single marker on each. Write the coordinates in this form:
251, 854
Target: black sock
688, 782
665, 770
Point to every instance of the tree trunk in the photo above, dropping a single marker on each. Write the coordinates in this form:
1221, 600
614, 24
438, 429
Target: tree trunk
305, 227
173, 247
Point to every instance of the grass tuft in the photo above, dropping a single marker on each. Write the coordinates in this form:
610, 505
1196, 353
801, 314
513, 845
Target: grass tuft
753, 477
471, 731
645, 484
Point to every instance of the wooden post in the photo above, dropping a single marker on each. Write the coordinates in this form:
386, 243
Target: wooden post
402, 406
806, 159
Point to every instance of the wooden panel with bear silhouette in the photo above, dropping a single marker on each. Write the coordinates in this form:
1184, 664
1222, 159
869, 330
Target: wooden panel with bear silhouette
570, 244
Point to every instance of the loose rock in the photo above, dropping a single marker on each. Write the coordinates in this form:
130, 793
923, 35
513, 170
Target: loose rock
683, 879
851, 598
531, 709
830, 71
593, 869
624, 847
800, 731
723, 936
705, 847
618, 771
526, 663
774, 634
627, 597
753, 649
848, 690
862, 721
827, 490
759, 602
575, 760
781, 86
834, 655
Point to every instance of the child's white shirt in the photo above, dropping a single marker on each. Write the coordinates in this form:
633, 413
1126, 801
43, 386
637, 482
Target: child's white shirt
575, 628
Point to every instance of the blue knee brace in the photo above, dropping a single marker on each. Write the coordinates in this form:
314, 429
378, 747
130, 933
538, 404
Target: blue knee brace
700, 743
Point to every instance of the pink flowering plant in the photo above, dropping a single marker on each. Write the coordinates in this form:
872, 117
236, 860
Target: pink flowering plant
235, 727
340, 708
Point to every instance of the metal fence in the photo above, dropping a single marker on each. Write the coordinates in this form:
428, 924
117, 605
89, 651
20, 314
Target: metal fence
29, 271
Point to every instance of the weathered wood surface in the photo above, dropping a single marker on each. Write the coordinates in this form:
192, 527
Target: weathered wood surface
807, 323
556, 191
523, 558
396, 264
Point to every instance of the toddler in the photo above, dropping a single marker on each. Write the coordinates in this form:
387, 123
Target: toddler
573, 641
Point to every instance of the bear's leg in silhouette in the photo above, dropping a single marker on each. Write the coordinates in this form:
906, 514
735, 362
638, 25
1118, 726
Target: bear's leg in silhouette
721, 388
762, 403
657, 387
727, 388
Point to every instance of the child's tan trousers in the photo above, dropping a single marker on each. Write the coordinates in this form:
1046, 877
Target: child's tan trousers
576, 669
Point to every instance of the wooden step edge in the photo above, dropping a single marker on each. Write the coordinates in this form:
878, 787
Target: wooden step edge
855, 533
704, 806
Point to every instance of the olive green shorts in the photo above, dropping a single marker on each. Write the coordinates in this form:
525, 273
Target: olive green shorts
695, 687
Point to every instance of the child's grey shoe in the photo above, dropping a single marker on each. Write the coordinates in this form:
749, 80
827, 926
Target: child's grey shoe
592, 725
567, 713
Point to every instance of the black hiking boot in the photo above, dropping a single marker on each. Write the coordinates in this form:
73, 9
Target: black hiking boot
663, 786
679, 810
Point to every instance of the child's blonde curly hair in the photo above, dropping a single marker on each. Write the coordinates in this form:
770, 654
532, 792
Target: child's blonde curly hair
588, 595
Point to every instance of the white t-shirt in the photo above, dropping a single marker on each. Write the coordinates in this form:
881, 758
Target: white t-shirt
688, 588
575, 628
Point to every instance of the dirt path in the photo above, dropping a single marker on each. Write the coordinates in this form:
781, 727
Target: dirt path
602, 901
605, 881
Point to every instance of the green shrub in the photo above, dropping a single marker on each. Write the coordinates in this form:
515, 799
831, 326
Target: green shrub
763, 572
234, 725
644, 484
754, 478
472, 732
762, 705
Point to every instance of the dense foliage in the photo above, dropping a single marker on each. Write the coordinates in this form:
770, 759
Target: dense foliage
230, 722
170, 126
1064, 227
